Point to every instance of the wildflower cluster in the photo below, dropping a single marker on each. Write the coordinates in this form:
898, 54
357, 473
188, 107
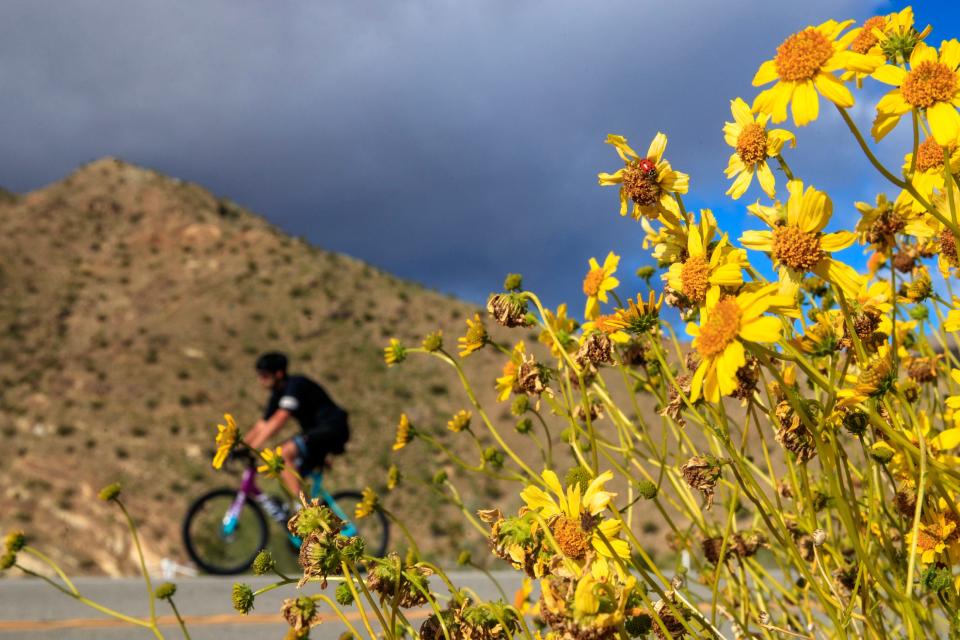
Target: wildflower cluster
809, 424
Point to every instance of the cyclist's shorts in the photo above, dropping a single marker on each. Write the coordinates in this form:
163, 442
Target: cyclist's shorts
315, 445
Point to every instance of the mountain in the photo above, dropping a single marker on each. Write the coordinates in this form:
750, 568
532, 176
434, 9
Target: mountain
133, 306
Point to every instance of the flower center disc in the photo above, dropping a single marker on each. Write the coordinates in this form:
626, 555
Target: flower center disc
928, 83
591, 284
795, 248
802, 55
720, 329
866, 39
641, 185
571, 538
752, 144
929, 155
695, 276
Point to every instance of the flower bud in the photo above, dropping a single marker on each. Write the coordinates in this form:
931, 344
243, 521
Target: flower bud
110, 492
394, 352
520, 405
524, 425
7, 560
647, 489
578, 475
645, 273
242, 598
165, 591
513, 282
263, 563
433, 341
494, 457
344, 595
15, 541
881, 452
463, 558
439, 477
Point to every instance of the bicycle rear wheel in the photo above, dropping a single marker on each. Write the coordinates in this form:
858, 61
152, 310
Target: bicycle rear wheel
222, 547
374, 529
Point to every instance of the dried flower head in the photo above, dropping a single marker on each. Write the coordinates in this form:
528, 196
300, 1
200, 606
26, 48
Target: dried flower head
702, 474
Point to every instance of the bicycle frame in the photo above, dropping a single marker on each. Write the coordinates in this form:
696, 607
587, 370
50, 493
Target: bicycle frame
249, 489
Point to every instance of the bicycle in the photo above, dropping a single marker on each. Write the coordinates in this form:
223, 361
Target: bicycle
225, 529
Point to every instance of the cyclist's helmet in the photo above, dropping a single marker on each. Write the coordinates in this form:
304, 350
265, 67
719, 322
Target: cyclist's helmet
272, 362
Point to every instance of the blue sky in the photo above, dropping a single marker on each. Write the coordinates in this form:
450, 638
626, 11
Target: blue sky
446, 141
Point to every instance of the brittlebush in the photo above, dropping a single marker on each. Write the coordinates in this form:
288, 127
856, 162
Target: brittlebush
799, 448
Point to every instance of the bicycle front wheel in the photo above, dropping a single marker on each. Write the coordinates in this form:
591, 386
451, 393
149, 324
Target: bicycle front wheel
219, 543
374, 529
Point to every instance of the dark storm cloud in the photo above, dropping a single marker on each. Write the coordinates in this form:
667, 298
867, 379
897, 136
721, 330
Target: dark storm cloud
450, 142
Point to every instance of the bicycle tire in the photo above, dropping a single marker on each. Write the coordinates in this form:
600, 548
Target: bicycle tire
375, 528
260, 533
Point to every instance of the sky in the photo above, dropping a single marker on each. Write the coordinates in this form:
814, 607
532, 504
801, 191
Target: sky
446, 141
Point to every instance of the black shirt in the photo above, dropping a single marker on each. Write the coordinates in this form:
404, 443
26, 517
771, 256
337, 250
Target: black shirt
307, 402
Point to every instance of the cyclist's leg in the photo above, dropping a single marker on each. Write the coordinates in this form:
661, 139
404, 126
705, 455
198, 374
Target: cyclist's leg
293, 452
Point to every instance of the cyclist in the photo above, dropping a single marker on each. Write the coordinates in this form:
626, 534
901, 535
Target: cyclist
324, 428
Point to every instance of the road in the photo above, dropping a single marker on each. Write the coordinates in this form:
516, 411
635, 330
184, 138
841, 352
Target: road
32, 610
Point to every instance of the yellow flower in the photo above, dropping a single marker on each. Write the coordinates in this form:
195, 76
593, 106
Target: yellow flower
891, 36
796, 241
638, 318
367, 505
562, 326
880, 223
405, 433
506, 382
272, 462
598, 282
475, 338
804, 66
703, 269
725, 324
459, 421
566, 511
648, 181
394, 352
932, 84
934, 536
753, 144
670, 241
227, 436
874, 379
928, 173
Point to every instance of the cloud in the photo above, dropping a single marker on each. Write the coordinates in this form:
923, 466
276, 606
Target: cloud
448, 142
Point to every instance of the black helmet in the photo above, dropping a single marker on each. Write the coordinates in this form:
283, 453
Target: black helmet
272, 362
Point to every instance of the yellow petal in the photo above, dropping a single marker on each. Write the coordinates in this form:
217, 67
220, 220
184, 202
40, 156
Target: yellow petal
950, 53
944, 123
774, 101
741, 112
740, 184
757, 240
657, 147
833, 90
947, 440
837, 241
766, 73
727, 275
762, 329
889, 74
767, 182
805, 104
606, 179
922, 53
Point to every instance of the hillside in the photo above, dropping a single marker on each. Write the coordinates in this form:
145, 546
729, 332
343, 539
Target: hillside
133, 306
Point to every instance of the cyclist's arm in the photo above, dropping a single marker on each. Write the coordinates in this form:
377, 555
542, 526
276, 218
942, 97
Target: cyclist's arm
264, 429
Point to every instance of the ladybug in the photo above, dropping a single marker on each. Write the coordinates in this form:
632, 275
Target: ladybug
648, 166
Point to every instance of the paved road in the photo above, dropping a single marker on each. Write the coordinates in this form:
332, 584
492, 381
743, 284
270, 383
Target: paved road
32, 610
